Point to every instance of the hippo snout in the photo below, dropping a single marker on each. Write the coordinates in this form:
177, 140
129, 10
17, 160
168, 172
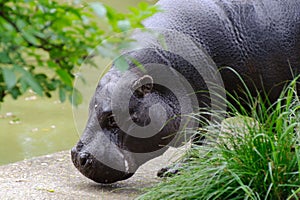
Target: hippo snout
99, 172
82, 159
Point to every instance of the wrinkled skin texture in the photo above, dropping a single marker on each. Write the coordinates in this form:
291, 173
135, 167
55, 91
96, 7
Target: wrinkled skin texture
260, 39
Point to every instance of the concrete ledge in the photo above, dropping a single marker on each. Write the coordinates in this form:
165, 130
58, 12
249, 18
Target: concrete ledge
54, 177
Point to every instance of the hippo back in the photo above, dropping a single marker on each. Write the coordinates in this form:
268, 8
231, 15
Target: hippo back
258, 39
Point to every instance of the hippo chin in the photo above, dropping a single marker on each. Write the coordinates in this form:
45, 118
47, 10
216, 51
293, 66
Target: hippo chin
258, 39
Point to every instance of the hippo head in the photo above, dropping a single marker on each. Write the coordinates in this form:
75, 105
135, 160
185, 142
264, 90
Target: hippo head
118, 136
134, 116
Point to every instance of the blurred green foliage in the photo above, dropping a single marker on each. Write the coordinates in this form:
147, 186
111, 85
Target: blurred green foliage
42, 43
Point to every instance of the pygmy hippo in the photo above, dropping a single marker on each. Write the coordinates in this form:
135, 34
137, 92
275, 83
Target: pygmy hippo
258, 39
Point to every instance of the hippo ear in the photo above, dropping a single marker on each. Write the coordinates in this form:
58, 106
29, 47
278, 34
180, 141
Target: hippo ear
142, 86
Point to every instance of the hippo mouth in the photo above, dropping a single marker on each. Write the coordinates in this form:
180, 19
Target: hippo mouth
97, 171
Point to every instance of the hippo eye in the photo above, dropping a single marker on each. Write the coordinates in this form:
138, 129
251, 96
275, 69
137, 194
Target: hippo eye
110, 121
107, 120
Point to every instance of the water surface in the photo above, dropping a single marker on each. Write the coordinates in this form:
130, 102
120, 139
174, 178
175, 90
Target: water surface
32, 125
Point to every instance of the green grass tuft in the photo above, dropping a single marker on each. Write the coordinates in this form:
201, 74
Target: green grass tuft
253, 155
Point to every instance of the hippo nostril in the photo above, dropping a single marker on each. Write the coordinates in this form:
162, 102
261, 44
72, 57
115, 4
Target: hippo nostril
84, 158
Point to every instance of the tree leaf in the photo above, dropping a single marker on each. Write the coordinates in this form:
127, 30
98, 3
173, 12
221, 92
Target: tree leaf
20, 23
124, 25
9, 78
76, 97
30, 80
121, 63
24, 85
62, 94
51, 64
15, 92
65, 77
98, 8
29, 37
4, 58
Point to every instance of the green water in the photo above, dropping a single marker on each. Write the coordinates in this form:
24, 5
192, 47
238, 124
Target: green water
33, 125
